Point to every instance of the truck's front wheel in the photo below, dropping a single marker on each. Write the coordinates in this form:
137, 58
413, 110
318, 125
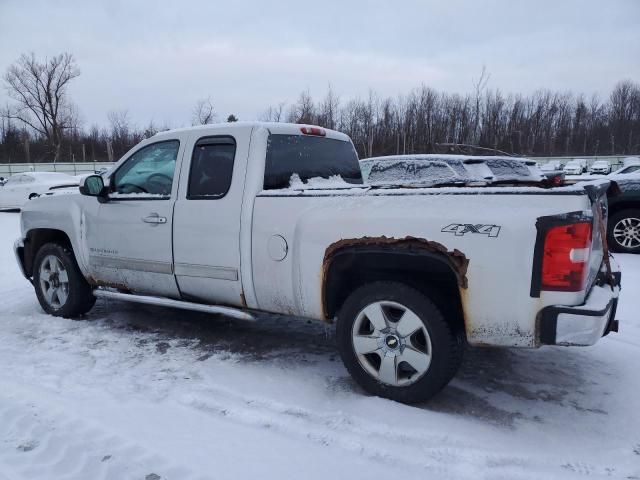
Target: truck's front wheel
396, 343
60, 286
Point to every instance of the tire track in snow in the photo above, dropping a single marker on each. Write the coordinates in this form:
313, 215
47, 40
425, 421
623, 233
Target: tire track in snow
440, 455
38, 444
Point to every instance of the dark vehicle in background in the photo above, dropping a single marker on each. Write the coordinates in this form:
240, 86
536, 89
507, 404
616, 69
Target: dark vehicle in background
630, 165
624, 214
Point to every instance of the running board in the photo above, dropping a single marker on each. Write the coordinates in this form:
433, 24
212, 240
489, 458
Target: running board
167, 302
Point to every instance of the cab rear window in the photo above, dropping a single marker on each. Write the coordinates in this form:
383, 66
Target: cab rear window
309, 157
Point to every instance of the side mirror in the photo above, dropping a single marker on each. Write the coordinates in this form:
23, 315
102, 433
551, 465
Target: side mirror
93, 186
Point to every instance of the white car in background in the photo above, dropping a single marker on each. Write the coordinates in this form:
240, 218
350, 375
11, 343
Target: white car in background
22, 187
551, 166
602, 167
573, 167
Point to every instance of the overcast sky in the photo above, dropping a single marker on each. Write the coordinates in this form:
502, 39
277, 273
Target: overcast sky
155, 58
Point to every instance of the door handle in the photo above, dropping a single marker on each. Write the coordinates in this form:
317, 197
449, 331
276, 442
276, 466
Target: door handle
155, 219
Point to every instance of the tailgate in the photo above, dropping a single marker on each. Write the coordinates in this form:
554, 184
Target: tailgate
597, 195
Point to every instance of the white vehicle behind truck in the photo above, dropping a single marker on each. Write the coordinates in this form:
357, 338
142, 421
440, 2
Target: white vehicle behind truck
263, 217
575, 167
602, 167
22, 187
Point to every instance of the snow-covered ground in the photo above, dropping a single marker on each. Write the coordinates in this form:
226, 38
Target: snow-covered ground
137, 392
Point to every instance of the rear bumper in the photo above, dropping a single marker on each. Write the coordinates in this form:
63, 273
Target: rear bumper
585, 324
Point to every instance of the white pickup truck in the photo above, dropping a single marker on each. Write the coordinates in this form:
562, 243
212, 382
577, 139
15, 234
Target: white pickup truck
248, 217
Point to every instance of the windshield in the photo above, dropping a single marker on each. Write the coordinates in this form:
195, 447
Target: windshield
412, 172
430, 168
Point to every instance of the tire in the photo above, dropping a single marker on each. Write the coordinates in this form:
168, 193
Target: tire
59, 298
421, 361
623, 231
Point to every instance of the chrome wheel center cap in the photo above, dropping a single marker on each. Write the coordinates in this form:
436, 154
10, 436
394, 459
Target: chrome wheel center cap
392, 342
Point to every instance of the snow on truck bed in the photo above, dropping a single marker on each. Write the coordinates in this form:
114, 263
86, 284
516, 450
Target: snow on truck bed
138, 392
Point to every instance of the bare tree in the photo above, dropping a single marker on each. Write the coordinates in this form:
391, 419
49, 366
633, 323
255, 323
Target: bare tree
273, 114
203, 112
304, 110
328, 109
39, 90
120, 125
479, 86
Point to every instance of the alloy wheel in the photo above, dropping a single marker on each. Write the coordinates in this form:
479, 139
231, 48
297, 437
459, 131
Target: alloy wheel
54, 281
627, 232
391, 343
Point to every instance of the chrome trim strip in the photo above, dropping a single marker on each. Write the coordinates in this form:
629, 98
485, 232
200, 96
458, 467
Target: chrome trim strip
205, 271
98, 261
168, 302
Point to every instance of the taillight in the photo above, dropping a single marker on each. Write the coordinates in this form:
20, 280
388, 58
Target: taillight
565, 261
317, 131
557, 180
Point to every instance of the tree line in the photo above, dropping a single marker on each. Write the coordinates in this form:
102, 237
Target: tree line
544, 123
42, 124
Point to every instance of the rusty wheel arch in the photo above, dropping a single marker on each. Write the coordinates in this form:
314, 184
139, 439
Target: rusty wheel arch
454, 259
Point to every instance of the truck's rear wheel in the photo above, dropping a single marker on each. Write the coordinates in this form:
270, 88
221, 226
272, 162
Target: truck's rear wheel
624, 231
60, 286
396, 343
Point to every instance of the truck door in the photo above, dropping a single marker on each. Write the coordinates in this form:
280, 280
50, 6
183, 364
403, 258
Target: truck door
131, 234
207, 217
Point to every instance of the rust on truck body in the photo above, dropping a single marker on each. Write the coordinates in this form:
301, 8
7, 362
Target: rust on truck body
457, 260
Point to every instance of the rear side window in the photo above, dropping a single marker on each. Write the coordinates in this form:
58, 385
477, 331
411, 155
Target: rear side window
309, 157
211, 168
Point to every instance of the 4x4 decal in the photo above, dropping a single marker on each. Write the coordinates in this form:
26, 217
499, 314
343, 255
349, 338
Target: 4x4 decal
460, 229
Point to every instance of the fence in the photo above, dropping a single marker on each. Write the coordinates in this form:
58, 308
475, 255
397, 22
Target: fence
77, 168
71, 168
615, 161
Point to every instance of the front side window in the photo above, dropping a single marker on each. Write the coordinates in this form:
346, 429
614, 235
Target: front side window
148, 171
211, 168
